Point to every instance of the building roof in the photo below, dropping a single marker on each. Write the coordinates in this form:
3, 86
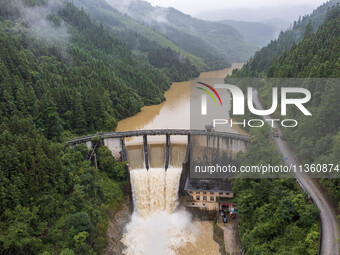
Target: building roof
211, 185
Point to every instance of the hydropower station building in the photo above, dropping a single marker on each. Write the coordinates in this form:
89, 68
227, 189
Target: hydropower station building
209, 195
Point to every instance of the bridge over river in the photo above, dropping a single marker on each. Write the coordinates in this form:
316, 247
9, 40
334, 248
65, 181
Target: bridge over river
115, 141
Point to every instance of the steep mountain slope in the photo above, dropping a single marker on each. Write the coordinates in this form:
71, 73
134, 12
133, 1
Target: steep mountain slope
317, 55
316, 140
264, 58
208, 40
62, 74
255, 32
77, 66
138, 37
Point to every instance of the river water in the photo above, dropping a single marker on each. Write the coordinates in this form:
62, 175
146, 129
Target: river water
174, 112
159, 225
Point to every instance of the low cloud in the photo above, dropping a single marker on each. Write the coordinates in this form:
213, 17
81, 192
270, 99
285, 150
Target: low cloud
37, 20
122, 5
158, 14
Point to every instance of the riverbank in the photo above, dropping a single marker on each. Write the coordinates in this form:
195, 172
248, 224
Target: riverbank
221, 73
115, 231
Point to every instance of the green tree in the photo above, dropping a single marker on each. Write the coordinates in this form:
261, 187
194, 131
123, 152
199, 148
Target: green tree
107, 163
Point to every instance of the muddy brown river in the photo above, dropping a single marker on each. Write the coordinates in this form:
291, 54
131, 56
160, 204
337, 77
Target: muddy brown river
175, 111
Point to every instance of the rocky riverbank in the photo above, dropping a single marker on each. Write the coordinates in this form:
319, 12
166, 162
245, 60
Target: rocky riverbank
115, 231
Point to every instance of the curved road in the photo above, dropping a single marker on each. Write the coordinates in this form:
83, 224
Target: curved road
329, 222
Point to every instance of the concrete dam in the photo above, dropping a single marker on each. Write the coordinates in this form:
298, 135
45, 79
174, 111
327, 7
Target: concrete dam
162, 155
158, 173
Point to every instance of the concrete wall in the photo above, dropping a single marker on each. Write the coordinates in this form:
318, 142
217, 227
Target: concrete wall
201, 213
205, 205
89, 144
115, 146
231, 145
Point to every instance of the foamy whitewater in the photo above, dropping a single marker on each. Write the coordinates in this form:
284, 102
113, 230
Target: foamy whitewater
156, 227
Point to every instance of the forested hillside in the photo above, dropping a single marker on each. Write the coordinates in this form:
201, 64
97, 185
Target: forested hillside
276, 216
84, 81
144, 42
317, 137
318, 55
264, 58
61, 75
214, 42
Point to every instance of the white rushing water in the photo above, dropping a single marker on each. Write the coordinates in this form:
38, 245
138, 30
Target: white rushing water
156, 227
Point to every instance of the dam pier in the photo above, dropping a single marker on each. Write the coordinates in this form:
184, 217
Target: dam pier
166, 154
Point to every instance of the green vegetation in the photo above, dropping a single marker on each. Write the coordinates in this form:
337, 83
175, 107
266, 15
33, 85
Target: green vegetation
144, 41
107, 163
84, 87
138, 37
261, 149
62, 75
215, 43
275, 216
212, 41
317, 138
264, 58
51, 200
